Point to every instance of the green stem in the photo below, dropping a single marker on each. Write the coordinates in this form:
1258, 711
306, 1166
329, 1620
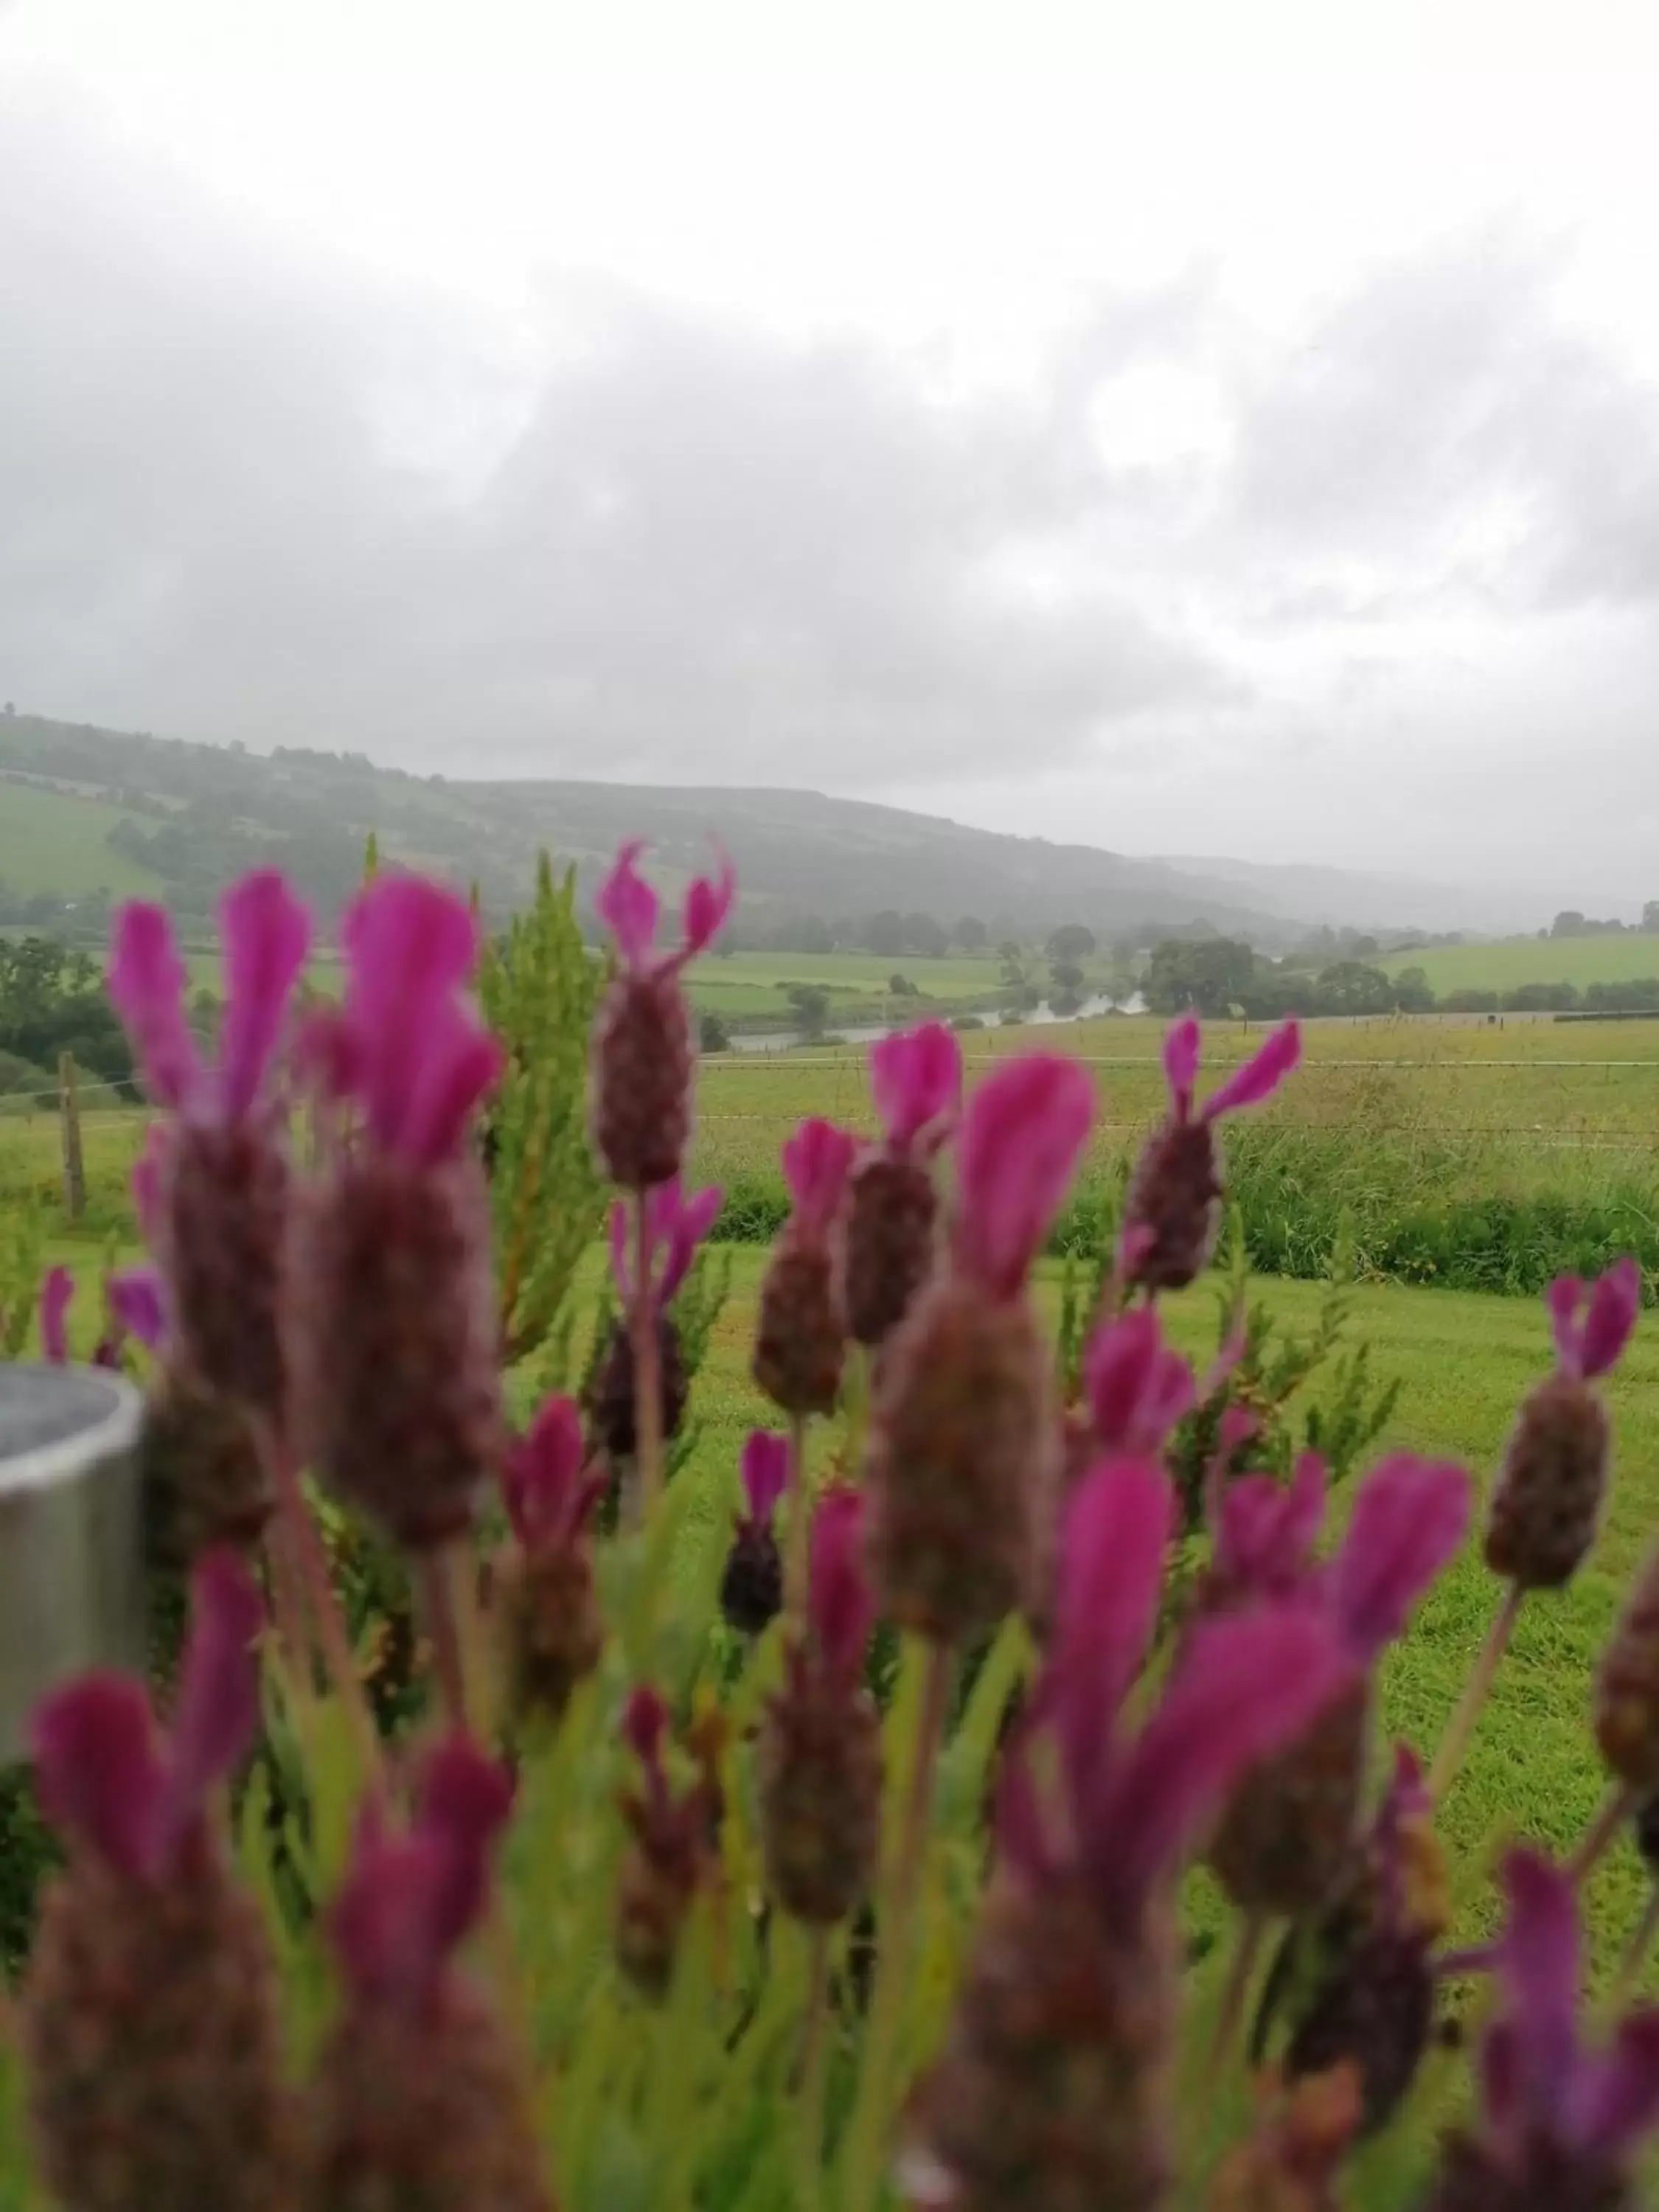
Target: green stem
647, 1382
814, 2054
1616, 1808
1241, 1973
443, 1625
1455, 1742
894, 1916
322, 1599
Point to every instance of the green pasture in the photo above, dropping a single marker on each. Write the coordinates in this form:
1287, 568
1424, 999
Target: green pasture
52, 841
1508, 961
753, 986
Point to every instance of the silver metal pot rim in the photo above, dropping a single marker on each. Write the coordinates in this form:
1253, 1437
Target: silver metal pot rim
43, 1465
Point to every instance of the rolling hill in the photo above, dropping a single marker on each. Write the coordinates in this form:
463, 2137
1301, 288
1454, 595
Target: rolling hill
83, 809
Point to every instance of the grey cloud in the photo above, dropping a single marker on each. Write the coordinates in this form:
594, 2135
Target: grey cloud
705, 552
1444, 427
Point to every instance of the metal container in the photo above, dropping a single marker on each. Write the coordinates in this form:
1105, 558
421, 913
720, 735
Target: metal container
72, 1561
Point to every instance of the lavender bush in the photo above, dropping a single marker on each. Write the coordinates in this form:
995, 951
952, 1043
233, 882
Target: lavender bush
651, 1904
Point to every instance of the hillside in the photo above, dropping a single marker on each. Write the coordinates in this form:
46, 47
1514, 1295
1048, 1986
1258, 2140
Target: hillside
83, 809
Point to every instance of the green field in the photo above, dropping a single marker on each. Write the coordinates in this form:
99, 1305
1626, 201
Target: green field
51, 841
754, 987
1510, 962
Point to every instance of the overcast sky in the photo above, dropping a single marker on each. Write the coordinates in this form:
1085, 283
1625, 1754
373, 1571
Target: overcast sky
1208, 429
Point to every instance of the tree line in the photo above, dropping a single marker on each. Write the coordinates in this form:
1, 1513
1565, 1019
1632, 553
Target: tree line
1222, 975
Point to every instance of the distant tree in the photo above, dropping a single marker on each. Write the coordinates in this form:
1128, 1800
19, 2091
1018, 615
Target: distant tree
1070, 942
1350, 986
11, 709
883, 932
1542, 998
1568, 923
1413, 992
970, 933
924, 935
1066, 974
1650, 916
712, 1036
1365, 948
1210, 976
816, 935
1469, 1002
901, 987
810, 1003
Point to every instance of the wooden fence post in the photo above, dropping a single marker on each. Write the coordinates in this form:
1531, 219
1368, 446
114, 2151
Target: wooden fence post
74, 1173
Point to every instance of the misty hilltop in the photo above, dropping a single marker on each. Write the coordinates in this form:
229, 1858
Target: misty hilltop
84, 809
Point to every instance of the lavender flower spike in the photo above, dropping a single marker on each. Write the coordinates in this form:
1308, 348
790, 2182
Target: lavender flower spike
800, 1335
1560, 2121
642, 1058
819, 1759
1052, 2088
1173, 1209
752, 1584
215, 1196
150, 2013
675, 1225
893, 1204
1289, 1830
1547, 1503
419, 2094
964, 1458
551, 1630
393, 1242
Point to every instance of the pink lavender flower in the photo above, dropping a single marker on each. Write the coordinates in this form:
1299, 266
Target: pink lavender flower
420, 2092
1173, 1209
1138, 1388
395, 1340
412, 1896
547, 1484
674, 1227
672, 1841
150, 2016
819, 1759
107, 1775
801, 1330
544, 1594
1560, 2121
642, 1107
1363, 1974
1592, 1321
916, 1079
1052, 2088
134, 1306
1024, 1133
217, 1189
841, 1605
963, 1456
1546, 1502
752, 1586
892, 1203
1288, 1837
1245, 1686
